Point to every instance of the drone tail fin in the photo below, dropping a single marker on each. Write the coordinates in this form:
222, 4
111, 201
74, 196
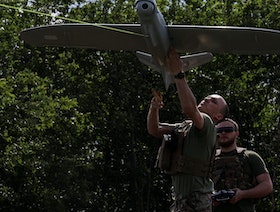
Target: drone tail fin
195, 60
148, 60
191, 61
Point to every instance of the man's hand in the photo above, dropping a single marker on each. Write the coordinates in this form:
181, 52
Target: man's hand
157, 99
237, 197
216, 203
174, 63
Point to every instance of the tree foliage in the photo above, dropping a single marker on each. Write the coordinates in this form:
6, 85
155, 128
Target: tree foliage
73, 121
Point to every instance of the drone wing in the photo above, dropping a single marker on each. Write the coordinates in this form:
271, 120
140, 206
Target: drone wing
96, 36
219, 39
184, 38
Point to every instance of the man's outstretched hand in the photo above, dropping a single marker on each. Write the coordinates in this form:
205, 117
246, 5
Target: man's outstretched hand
174, 63
157, 99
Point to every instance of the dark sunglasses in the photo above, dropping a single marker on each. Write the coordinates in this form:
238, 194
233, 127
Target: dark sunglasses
225, 129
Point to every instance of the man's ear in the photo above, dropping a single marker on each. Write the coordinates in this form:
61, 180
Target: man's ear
218, 117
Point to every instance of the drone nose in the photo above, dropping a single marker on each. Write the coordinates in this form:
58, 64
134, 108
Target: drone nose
145, 7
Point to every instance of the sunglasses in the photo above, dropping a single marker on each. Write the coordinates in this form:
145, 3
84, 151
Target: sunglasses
225, 129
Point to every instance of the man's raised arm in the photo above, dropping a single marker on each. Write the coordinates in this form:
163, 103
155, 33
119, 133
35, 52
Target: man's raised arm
187, 99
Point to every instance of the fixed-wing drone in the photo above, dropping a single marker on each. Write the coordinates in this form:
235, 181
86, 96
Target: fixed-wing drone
152, 38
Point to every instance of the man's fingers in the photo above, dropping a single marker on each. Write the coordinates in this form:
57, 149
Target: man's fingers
157, 95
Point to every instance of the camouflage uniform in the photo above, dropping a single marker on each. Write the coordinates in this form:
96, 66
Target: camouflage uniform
195, 202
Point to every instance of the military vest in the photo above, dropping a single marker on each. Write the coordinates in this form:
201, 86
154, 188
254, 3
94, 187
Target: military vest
170, 156
232, 171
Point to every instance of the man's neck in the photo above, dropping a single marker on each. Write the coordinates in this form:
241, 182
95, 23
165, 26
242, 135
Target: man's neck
229, 148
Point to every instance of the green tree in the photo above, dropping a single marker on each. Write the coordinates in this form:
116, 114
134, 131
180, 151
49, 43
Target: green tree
73, 121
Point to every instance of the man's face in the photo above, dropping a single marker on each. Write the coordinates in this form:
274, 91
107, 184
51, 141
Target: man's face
226, 134
212, 105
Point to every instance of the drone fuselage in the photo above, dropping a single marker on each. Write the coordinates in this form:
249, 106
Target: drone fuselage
154, 28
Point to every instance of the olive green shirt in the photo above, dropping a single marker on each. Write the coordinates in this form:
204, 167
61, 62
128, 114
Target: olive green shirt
198, 144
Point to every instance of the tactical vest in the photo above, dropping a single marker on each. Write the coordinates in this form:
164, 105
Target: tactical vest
232, 171
170, 156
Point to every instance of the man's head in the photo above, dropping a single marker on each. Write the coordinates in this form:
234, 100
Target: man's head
215, 106
227, 133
